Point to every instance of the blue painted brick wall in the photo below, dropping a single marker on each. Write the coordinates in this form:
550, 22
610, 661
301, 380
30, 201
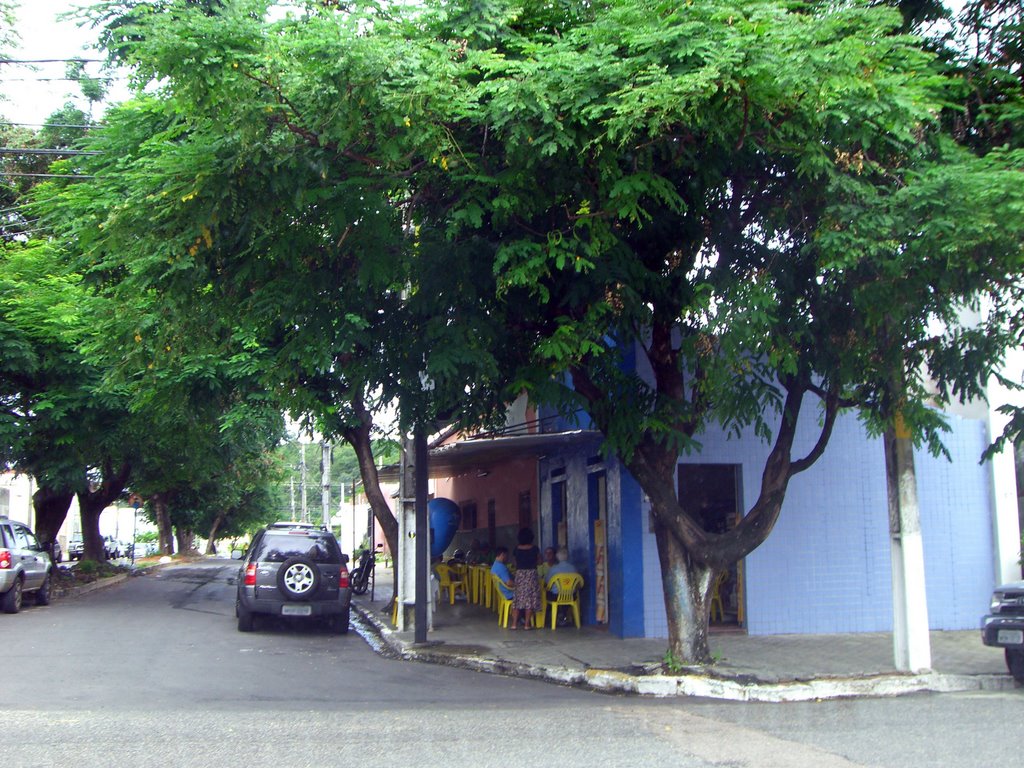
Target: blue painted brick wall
826, 566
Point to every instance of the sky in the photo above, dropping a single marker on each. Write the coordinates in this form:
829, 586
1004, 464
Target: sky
29, 96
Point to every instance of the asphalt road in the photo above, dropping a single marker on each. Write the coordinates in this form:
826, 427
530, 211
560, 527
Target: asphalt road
152, 672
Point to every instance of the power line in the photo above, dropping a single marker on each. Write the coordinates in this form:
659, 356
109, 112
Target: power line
30, 151
57, 79
49, 175
77, 59
51, 125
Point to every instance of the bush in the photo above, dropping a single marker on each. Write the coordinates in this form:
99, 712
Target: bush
91, 570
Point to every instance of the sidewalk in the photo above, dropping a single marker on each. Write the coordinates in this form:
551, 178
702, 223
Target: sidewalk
763, 668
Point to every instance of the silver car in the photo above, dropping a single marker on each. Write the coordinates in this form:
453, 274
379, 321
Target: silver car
25, 566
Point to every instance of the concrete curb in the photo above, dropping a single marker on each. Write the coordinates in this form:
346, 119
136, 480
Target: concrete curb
94, 586
696, 685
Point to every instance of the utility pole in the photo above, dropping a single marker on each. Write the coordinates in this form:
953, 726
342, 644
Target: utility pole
346, 544
413, 556
302, 479
325, 482
423, 601
911, 641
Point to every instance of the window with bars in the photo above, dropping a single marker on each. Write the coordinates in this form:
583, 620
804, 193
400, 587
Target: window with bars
469, 521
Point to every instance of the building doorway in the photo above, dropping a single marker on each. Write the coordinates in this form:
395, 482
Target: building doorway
559, 510
597, 586
714, 491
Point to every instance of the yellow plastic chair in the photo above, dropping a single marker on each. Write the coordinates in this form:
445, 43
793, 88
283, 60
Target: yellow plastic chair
479, 582
716, 597
539, 616
460, 572
568, 585
449, 581
476, 573
502, 604
489, 590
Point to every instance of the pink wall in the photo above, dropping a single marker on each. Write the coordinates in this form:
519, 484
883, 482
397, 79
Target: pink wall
504, 484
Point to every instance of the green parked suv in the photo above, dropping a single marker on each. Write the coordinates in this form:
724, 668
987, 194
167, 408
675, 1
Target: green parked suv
25, 566
296, 570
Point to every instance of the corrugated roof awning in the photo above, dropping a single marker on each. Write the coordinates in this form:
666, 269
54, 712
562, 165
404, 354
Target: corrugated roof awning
481, 454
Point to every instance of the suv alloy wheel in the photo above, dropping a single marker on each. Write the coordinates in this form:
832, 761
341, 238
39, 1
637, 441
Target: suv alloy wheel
298, 578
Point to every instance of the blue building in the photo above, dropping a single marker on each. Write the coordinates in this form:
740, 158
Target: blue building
825, 568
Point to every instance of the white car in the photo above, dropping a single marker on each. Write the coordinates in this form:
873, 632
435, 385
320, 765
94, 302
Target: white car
25, 566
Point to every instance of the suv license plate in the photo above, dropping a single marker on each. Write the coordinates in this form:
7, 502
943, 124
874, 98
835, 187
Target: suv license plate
296, 610
1010, 636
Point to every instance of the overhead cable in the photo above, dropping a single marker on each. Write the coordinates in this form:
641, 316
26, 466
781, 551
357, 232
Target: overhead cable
51, 61
49, 175
85, 78
50, 125
42, 151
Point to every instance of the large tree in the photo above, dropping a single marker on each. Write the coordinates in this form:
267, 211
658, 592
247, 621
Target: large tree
757, 200
467, 198
262, 196
983, 45
58, 422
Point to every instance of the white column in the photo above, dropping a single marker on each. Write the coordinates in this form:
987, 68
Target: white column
1005, 517
1005, 520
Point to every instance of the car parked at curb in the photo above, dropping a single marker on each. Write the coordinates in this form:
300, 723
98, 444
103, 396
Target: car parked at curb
76, 549
25, 566
1004, 626
294, 570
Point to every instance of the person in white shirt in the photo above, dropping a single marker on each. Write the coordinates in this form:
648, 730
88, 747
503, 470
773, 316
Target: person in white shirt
563, 566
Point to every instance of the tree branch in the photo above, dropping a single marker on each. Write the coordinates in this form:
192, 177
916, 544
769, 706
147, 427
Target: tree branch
832, 404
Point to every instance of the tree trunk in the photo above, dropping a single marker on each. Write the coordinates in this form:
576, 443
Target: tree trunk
51, 506
211, 547
690, 556
163, 525
92, 503
359, 438
91, 537
687, 590
186, 539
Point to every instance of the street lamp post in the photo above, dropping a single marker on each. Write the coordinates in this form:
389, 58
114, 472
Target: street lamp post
136, 505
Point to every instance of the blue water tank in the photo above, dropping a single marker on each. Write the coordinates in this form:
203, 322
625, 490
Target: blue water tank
444, 522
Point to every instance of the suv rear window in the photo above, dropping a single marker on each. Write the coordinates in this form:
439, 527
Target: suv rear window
319, 547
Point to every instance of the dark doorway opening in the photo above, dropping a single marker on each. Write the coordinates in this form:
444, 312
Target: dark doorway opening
713, 495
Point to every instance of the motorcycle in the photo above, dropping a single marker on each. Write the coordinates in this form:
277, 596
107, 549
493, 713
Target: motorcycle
360, 578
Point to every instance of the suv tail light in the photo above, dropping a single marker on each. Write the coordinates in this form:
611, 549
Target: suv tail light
343, 582
5, 560
250, 575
